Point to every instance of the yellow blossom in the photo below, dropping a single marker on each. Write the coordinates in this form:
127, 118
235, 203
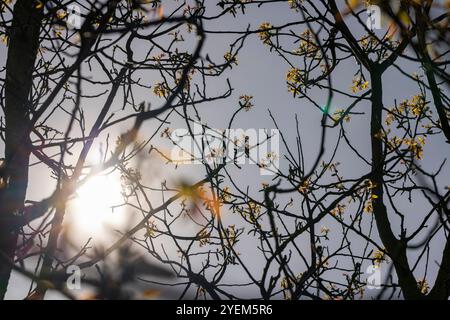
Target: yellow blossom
230, 58
264, 33
359, 85
203, 237
295, 4
368, 207
226, 196
379, 257
245, 102
150, 230
389, 118
295, 80
39, 5
338, 211
416, 148
324, 230
307, 44
339, 114
304, 187
423, 285
4, 39
160, 90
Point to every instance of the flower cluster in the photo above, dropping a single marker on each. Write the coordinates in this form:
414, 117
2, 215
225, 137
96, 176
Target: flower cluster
150, 229
160, 90
245, 102
415, 147
338, 211
295, 80
304, 187
340, 114
307, 44
225, 195
379, 256
264, 33
203, 238
230, 58
295, 4
359, 85
423, 286
250, 212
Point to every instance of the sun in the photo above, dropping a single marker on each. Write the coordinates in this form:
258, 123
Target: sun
96, 210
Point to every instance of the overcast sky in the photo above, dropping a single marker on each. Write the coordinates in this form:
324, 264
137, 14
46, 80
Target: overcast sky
261, 73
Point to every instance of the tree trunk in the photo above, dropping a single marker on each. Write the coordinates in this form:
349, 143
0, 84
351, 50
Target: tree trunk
396, 248
23, 46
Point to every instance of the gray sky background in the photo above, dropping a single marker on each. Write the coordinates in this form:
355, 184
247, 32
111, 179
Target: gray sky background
261, 73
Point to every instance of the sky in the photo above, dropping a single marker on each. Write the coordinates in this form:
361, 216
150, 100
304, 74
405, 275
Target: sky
259, 73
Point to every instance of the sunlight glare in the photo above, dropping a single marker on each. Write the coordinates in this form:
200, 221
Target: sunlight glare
93, 211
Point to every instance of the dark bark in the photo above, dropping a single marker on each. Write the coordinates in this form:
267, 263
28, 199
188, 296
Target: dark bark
441, 289
23, 45
395, 248
429, 68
